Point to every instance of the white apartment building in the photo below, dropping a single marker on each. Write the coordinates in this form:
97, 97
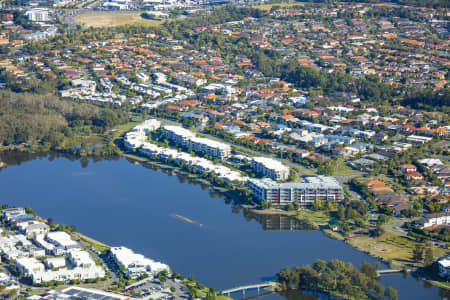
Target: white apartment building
62, 239
210, 147
136, 264
444, 267
10, 213
137, 136
38, 15
186, 138
304, 193
33, 228
270, 168
178, 135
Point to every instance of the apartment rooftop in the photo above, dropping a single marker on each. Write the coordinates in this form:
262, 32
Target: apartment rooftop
270, 163
318, 182
179, 130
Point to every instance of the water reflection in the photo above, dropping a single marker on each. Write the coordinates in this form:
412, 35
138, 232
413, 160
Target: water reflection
16, 158
288, 295
276, 222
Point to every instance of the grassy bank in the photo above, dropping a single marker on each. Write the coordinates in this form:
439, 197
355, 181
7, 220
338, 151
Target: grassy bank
98, 246
391, 246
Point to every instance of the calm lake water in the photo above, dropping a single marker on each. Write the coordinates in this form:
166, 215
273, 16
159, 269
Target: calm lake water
121, 203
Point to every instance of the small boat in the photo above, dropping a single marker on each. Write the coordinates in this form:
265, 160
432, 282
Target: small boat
183, 218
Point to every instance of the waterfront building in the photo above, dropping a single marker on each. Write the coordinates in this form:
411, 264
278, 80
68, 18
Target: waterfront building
186, 138
177, 134
210, 147
304, 193
10, 213
136, 264
270, 168
62, 240
444, 267
32, 228
137, 136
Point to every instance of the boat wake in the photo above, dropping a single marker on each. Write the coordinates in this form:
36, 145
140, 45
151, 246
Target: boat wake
186, 219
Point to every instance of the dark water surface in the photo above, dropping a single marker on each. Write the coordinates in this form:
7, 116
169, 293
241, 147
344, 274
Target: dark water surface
121, 203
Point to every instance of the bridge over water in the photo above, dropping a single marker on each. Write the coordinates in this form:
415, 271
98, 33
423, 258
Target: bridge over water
265, 285
390, 271
272, 284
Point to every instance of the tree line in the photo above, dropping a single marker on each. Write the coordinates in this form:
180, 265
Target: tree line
36, 119
338, 278
428, 3
428, 99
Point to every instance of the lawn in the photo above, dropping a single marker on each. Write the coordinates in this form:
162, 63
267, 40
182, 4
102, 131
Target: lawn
392, 246
99, 246
310, 216
222, 297
341, 168
127, 126
314, 217
111, 19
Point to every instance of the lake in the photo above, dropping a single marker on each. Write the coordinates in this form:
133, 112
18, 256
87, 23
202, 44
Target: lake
121, 203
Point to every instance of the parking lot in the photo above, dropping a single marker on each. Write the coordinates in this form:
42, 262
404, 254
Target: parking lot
148, 288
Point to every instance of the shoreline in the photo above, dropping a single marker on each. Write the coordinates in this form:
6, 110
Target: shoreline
226, 192
275, 211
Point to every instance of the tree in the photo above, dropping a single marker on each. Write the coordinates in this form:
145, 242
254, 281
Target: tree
319, 265
418, 253
379, 231
341, 212
383, 219
368, 269
391, 293
30, 211
318, 204
429, 258
379, 289
122, 268
192, 293
12, 293
330, 205
210, 295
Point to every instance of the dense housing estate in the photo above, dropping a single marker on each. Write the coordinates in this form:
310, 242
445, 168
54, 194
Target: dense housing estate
65, 259
79, 266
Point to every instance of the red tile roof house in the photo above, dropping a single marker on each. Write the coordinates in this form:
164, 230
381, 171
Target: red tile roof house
414, 176
407, 168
